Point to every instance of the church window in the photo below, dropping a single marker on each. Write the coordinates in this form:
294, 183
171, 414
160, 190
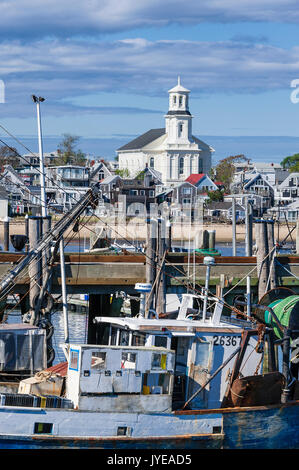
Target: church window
180, 101
174, 100
152, 162
200, 167
181, 165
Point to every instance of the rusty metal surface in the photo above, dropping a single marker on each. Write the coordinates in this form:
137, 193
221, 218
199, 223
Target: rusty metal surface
207, 329
196, 441
59, 369
290, 404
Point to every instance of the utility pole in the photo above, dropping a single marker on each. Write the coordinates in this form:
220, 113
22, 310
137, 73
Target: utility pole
39, 100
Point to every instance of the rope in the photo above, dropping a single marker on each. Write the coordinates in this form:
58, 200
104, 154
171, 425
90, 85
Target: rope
292, 274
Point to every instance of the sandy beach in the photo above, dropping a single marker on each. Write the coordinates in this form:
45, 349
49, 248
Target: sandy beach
137, 231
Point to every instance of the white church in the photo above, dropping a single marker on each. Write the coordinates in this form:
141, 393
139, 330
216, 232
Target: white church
173, 150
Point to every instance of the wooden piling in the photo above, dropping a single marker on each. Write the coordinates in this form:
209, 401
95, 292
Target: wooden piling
234, 244
35, 266
272, 283
6, 234
161, 282
212, 239
151, 247
262, 260
205, 240
168, 235
248, 226
27, 231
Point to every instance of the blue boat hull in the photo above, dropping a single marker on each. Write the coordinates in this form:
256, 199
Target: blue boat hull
264, 427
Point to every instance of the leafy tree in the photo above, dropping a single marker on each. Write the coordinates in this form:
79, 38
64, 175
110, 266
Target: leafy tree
225, 169
215, 196
68, 155
124, 173
9, 156
291, 163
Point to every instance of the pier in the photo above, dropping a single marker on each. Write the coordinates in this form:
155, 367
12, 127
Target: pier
109, 273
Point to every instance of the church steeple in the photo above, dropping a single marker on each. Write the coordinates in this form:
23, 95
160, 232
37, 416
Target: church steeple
179, 99
178, 118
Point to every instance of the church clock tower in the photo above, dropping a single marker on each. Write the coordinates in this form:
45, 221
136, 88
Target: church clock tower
172, 150
178, 119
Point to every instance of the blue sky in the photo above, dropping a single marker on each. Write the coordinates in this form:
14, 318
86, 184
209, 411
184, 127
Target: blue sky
105, 66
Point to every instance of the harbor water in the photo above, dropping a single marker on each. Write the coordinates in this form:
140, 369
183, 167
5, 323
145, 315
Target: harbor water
77, 330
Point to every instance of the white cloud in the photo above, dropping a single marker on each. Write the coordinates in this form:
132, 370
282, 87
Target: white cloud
60, 69
20, 18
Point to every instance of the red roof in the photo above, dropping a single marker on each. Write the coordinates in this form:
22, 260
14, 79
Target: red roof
195, 177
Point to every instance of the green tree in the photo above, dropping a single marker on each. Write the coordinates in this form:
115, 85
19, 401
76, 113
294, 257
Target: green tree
123, 173
225, 169
9, 156
67, 153
291, 163
215, 196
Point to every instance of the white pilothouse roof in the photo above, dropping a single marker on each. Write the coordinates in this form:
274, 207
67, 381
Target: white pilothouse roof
176, 327
187, 322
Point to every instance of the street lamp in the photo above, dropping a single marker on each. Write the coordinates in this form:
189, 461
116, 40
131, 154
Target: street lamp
39, 100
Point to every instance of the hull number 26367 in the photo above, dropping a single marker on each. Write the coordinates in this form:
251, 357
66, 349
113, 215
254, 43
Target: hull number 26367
226, 340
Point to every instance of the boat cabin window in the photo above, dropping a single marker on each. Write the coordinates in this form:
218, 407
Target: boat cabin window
74, 359
159, 361
114, 336
196, 303
138, 339
156, 384
161, 341
128, 360
124, 338
43, 428
103, 331
98, 360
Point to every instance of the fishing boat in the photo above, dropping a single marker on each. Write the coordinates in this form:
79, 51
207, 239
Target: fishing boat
188, 379
199, 380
